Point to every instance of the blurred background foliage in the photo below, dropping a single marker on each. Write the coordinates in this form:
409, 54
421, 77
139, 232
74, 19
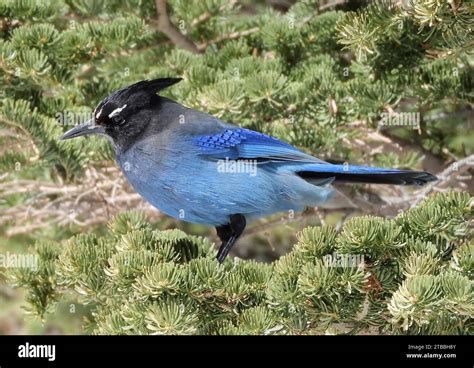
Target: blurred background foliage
322, 75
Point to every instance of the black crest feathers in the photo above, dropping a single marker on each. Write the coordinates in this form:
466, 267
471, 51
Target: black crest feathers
135, 96
150, 86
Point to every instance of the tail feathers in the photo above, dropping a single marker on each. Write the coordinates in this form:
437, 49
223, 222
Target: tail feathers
364, 174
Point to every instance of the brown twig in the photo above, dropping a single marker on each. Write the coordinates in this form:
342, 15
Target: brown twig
201, 19
323, 7
101, 194
229, 36
331, 4
451, 172
26, 134
207, 15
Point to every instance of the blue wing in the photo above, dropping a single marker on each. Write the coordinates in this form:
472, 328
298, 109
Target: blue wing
242, 143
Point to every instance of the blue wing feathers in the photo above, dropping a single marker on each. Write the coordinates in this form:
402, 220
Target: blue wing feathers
232, 137
244, 143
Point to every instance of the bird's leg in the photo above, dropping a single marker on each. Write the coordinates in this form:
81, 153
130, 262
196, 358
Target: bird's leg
229, 234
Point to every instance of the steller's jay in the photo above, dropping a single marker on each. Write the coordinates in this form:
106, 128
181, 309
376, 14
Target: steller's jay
195, 167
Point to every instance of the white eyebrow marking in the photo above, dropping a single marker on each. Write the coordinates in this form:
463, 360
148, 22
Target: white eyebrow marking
117, 111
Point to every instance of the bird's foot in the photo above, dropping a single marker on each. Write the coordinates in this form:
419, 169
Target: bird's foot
229, 234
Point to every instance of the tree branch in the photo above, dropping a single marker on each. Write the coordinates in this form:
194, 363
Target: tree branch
169, 29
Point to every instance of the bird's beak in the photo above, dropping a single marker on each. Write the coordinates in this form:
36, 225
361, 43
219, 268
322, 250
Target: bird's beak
84, 129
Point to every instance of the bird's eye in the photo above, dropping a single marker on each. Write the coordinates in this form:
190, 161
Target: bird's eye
117, 120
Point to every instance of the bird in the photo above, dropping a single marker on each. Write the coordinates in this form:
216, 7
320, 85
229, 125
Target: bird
197, 168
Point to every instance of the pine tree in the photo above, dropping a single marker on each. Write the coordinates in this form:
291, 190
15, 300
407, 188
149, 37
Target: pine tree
334, 79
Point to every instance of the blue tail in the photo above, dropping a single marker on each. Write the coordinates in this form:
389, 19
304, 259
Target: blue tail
364, 174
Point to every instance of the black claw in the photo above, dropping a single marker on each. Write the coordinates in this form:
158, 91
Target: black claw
229, 234
225, 249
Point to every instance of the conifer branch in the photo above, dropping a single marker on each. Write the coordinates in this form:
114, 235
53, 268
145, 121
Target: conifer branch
388, 275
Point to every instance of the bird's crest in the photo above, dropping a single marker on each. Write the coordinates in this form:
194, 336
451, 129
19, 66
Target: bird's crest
149, 87
132, 98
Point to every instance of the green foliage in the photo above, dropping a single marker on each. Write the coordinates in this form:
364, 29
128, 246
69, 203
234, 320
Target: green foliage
143, 281
40, 279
